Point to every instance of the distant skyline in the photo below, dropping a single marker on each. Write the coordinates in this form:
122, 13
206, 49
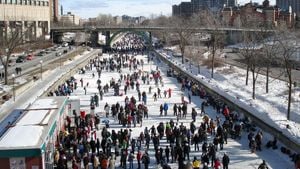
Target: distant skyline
92, 8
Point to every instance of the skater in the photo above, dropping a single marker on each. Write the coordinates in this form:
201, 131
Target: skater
225, 161
263, 165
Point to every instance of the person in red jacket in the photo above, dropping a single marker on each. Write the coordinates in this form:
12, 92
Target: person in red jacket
129, 119
139, 158
169, 92
104, 163
226, 112
217, 164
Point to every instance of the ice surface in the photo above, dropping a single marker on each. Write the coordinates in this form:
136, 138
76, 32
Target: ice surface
238, 150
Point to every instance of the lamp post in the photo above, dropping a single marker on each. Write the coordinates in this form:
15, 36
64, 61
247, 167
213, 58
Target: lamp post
60, 61
52, 38
41, 62
14, 92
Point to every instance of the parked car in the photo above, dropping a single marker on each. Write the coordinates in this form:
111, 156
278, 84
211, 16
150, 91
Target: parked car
48, 50
65, 44
20, 59
58, 54
41, 53
29, 57
177, 55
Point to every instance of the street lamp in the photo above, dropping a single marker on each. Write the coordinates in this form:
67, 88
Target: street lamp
41, 62
14, 92
60, 61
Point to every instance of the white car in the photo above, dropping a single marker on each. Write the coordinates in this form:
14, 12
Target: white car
65, 44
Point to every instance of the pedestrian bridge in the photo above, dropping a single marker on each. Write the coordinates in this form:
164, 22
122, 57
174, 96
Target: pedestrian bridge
233, 35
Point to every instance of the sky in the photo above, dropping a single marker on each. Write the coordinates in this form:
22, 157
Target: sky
92, 8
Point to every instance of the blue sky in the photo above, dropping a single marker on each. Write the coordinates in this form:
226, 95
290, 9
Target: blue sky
91, 8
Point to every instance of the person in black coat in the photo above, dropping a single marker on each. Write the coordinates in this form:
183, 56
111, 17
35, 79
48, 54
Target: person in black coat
167, 151
225, 161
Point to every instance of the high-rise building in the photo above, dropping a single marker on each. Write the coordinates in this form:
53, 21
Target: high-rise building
175, 10
69, 19
31, 17
230, 3
183, 9
195, 6
285, 4
54, 10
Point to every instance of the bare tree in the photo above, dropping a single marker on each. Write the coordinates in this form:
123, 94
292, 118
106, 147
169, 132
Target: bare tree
270, 56
8, 46
248, 50
160, 21
288, 47
181, 27
105, 20
255, 68
217, 38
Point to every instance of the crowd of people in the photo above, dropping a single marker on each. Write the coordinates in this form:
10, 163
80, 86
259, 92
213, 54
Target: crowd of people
163, 144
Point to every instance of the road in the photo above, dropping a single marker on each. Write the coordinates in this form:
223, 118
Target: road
28, 65
276, 72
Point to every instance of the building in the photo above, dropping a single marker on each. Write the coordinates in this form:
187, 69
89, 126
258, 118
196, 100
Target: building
230, 3
285, 4
54, 10
29, 137
184, 9
69, 19
195, 6
118, 20
175, 10
255, 15
31, 17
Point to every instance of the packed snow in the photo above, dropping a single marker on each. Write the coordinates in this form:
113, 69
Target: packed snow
21, 136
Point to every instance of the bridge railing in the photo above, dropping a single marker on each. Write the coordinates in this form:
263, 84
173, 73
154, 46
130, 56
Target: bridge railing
70, 28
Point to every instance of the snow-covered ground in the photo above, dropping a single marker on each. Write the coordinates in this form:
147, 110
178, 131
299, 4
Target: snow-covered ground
240, 156
271, 107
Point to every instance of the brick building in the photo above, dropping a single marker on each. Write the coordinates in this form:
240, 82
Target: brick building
253, 15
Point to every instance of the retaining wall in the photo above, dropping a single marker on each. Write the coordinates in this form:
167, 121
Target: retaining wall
70, 73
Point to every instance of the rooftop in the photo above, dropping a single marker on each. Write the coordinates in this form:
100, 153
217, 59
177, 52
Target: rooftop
32, 128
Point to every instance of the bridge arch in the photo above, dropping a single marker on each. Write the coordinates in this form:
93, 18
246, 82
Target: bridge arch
147, 36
